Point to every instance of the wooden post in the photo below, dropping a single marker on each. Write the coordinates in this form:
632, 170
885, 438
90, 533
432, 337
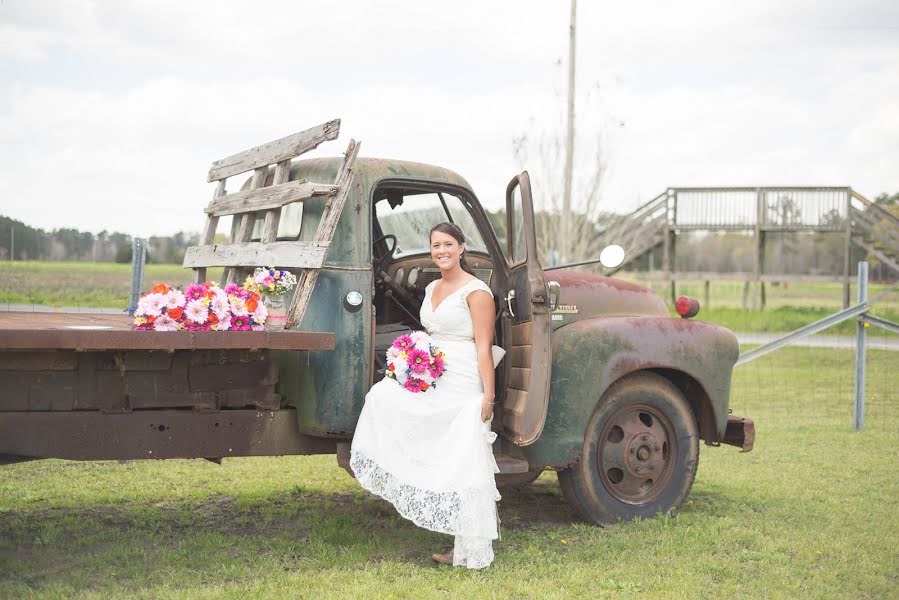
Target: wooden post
759, 245
138, 260
705, 297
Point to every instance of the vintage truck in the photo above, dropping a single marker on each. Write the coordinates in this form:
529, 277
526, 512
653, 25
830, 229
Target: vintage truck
599, 381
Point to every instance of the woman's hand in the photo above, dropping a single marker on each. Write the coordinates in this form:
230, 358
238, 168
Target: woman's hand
486, 408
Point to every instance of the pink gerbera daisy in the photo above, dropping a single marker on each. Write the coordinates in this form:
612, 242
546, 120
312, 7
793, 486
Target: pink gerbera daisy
195, 291
402, 342
418, 360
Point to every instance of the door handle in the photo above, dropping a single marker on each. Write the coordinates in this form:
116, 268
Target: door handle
509, 297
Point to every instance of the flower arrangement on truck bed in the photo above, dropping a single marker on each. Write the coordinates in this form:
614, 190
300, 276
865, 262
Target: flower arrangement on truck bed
201, 307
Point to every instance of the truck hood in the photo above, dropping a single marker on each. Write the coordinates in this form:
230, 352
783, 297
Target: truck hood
587, 295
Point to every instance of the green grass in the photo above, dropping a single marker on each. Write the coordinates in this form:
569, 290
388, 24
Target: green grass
809, 513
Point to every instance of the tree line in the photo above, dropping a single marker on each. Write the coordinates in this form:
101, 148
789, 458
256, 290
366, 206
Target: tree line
19, 241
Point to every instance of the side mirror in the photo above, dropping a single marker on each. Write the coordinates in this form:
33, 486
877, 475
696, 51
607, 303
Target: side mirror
611, 256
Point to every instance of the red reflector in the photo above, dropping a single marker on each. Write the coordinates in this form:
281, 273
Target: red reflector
687, 307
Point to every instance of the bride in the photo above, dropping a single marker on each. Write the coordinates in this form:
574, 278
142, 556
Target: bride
430, 453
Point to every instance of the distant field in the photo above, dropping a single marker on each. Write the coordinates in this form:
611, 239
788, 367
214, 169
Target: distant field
95, 285
107, 285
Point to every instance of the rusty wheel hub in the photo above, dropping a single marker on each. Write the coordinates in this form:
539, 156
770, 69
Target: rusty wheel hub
636, 453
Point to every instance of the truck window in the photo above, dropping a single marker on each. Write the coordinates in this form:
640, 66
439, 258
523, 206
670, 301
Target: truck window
412, 221
517, 245
288, 226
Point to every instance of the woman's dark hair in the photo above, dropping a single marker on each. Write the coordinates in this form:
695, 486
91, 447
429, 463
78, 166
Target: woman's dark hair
455, 231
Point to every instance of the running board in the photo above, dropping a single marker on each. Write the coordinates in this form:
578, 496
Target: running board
508, 464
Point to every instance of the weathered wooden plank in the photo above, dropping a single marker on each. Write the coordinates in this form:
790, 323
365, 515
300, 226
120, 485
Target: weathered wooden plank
275, 151
212, 224
306, 255
324, 234
274, 196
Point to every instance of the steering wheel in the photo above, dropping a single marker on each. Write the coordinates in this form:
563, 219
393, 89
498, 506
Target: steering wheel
381, 264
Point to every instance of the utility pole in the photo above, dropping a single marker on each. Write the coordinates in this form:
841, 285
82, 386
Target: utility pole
12, 243
564, 229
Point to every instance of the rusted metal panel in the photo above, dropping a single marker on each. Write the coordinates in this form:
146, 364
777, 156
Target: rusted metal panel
213, 378
90, 435
740, 432
38, 361
66, 331
119, 382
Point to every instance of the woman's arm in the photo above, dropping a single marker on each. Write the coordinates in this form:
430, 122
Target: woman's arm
482, 317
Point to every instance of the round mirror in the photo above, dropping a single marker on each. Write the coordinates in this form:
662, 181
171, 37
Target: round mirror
611, 256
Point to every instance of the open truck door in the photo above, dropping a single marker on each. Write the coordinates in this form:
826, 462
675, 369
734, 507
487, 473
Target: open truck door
525, 322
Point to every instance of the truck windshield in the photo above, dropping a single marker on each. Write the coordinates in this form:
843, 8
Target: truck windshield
412, 220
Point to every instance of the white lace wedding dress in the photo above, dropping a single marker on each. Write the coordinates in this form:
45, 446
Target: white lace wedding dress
429, 453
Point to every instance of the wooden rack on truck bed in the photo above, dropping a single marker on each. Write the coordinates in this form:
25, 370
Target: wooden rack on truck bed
271, 194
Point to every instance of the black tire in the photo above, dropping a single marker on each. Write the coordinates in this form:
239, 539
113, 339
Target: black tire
640, 453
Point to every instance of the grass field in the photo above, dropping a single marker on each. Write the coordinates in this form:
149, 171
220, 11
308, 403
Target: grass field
810, 513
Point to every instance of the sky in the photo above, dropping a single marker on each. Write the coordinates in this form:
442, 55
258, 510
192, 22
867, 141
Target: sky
111, 111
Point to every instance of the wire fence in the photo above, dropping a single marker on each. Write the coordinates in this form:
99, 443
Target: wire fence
840, 380
815, 386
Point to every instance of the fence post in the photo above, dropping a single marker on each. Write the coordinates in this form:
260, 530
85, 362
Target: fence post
861, 349
138, 259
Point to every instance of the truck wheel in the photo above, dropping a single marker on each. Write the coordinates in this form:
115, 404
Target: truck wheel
640, 453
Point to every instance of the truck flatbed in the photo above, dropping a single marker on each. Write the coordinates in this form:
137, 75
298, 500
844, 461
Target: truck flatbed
86, 332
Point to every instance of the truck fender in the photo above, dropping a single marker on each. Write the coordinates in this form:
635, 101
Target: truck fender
591, 354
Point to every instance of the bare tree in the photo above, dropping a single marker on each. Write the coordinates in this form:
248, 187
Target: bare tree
543, 155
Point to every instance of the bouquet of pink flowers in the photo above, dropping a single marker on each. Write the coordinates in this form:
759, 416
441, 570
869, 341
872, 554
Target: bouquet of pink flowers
201, 307
415, 362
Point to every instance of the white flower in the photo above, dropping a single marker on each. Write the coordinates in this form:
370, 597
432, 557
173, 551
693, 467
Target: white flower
392, 353
165, 323
258, 327
224, 324
175, 299
196, 311
238, 307
420, 339
219, 305
152, 304
261, 313
141, 310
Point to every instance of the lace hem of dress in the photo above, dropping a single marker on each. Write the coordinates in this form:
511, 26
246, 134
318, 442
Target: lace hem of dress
470, 512
472, 552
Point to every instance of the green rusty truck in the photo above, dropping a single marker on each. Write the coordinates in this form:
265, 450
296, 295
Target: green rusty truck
599, 381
